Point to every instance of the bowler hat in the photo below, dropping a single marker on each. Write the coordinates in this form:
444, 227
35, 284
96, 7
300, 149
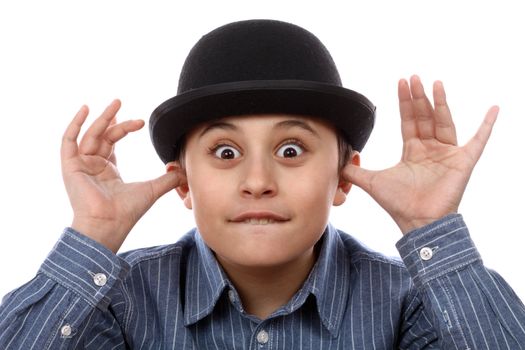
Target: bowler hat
259, 67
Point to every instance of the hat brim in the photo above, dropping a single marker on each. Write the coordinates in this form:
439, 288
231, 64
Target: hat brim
350, 112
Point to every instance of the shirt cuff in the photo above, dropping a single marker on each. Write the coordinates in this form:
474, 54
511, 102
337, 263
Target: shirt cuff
437, 249
85, 266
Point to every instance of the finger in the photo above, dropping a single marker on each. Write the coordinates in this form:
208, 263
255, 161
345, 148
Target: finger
115, 133
112, 157
69, 147
90, 143
408, 120
445, 130
477, 144
423, 111
111, 151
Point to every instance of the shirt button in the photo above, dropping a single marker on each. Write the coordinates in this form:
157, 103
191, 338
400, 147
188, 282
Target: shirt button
262, 337
426, 253
231, 296
65, 330
100, 279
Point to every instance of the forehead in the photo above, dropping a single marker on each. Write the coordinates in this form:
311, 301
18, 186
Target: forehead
266, 122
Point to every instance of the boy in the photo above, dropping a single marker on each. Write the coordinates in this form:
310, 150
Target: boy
260, 142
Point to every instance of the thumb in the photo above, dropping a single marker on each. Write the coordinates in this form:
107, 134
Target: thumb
358, 176
477, 144
167, 182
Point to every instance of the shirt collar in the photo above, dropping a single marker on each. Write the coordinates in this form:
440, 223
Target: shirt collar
205, 282
329, 281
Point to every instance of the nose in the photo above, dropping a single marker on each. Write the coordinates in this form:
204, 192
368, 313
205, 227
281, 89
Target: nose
258, 178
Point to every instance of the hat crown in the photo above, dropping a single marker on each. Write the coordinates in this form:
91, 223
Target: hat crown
258, 67
257, 50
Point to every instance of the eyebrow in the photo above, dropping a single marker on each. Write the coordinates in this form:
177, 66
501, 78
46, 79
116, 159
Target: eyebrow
285, 124
218, 125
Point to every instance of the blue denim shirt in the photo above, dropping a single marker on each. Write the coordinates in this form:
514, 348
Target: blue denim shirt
178, 297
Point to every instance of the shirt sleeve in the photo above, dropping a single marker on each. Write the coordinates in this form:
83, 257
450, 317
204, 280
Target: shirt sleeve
66, 306
466, 305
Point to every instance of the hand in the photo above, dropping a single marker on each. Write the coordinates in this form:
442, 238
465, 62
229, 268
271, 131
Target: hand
431, 177
105, 208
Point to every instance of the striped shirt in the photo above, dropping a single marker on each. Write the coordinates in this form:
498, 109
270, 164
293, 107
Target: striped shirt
440, 296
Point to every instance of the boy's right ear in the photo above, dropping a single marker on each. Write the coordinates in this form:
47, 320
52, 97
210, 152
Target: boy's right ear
183, 189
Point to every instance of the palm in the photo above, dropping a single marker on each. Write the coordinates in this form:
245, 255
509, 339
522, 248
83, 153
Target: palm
433, 172
97, 182
102, 203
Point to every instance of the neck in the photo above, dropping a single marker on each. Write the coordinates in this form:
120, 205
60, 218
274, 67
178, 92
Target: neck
265, 289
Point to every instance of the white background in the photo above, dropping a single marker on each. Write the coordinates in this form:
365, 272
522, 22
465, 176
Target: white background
57, 55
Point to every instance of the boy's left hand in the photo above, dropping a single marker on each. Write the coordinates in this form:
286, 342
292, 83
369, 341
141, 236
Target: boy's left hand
430, 179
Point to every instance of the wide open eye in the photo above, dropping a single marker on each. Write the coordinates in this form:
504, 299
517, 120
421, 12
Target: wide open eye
226, 152
289, 150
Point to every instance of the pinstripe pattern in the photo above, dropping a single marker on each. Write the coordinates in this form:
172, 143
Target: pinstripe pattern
178, 297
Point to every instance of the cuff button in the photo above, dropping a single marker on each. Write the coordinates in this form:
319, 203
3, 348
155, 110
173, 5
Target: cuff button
100, 279
426, 253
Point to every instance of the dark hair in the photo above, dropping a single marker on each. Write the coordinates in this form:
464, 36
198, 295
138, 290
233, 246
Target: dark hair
345, 151
343, 147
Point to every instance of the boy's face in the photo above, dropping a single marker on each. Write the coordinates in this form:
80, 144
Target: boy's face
261, 187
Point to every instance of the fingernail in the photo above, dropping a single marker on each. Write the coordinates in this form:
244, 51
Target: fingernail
173, 168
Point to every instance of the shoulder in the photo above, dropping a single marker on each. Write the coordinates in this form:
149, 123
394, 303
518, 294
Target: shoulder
359, 253
155, 274
387, 275
175, 252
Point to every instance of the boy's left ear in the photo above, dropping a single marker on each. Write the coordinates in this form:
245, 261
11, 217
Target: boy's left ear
344, 186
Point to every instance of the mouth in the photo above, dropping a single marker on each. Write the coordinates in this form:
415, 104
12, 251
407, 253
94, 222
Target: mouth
263, 221
259, 218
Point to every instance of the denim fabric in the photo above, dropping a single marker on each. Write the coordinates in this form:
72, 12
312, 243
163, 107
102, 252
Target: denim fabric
178, 297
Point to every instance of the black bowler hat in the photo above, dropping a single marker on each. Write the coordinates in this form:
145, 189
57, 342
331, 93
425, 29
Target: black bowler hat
257, 67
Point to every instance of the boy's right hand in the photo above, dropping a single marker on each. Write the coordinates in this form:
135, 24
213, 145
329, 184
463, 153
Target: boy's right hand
104, 207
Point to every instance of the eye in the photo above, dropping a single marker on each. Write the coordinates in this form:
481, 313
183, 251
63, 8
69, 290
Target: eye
289, 150
226, 152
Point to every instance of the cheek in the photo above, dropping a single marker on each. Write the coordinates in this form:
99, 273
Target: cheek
208, 193
317, 182
312, 188
311, 194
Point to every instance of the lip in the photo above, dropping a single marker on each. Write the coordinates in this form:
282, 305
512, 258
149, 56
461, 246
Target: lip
252, 216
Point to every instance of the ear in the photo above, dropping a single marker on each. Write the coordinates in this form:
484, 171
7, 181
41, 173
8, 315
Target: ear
183, 189
344, 186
